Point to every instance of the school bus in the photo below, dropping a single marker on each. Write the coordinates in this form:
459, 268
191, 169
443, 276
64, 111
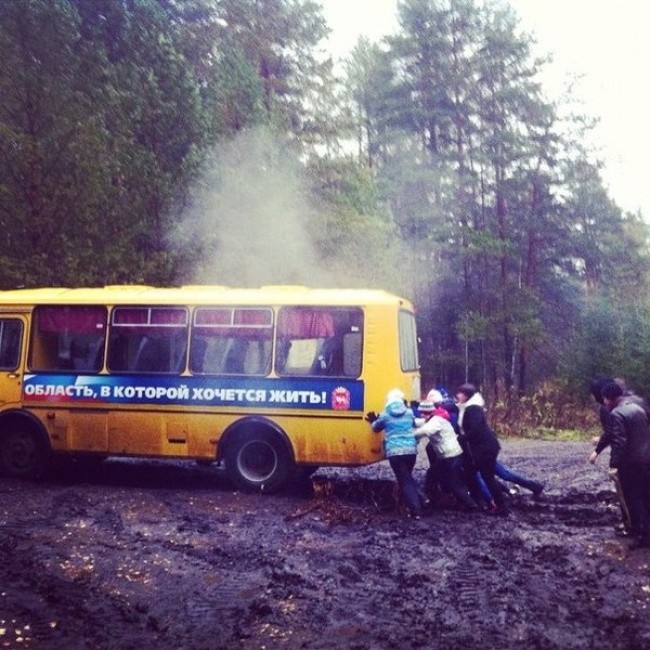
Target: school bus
265, 382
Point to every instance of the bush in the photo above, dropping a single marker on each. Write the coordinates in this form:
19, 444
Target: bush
551, 411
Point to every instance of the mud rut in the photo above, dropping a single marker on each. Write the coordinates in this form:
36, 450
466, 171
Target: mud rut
142, 554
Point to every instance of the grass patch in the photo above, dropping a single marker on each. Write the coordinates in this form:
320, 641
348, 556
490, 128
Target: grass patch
557, 435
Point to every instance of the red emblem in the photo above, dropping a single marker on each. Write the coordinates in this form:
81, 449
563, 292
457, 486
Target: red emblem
340, 399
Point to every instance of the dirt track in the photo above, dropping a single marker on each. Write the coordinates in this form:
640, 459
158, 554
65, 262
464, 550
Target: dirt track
141, 554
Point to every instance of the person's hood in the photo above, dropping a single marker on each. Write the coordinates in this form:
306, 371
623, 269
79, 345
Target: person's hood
395, 403
396, 408
475, 400
434, 396
394, 395
442, 413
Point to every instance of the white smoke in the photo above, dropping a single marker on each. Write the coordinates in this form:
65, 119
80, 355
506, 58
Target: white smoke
251, 215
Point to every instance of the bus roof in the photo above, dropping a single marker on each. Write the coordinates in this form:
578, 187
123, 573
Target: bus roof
198, 295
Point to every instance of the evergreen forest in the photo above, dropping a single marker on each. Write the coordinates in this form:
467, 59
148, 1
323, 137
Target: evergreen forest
170, 142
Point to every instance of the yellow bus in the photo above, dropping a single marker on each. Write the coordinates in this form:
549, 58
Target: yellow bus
265, 382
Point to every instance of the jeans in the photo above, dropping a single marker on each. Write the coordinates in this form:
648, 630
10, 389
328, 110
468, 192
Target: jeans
402, 467
485, 466
507, 475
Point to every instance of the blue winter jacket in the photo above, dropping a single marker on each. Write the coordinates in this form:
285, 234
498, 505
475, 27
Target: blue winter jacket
397, 422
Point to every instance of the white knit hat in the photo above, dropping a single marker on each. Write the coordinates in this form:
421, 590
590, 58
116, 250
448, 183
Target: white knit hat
395, 395
435, 396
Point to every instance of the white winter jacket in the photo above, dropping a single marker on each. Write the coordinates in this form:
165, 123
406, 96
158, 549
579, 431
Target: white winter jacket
441, 435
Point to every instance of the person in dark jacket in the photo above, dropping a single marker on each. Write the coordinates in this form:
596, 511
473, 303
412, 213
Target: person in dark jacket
630, 457
481, 440
596, 385
601, 443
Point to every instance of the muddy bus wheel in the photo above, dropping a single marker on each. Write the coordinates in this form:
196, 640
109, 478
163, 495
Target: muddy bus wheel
258, 461
23, 453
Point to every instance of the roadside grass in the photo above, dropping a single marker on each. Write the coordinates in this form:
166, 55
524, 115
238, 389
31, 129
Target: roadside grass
551, 413
557, 435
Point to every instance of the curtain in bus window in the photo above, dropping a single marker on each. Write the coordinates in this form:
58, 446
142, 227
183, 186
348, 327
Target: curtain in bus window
319, 341
165, 316
68, 338
305, 323
305, 336
78, 320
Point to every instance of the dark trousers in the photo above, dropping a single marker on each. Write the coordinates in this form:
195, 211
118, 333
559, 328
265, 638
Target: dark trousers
485, 465
402, 467
453, 480
635, 480
448, 475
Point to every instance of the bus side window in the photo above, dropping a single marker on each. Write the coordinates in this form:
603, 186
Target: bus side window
258, 357
86, 355
178, 354
322, 364
152, 356
235, 358
68, 338
198, 348
231, 340
352, 354
10, 338
319, 341
148, 339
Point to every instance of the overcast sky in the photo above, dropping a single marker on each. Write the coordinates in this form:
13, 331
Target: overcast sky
605, 42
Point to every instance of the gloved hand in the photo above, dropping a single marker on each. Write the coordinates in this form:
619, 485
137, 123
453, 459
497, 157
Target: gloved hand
371, 416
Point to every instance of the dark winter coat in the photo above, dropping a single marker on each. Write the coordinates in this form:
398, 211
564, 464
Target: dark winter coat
630, 434
606, 424
480, 438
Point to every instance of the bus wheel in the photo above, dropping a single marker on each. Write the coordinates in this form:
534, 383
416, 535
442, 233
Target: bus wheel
258, 461
23, 453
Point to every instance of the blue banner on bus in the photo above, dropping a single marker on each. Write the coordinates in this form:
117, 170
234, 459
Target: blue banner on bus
312, 393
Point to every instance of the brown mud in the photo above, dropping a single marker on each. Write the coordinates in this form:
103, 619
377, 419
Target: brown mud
151, 554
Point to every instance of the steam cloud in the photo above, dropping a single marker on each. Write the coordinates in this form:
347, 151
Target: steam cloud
251, 217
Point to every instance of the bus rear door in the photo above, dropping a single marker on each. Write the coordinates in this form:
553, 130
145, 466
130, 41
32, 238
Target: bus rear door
12, 332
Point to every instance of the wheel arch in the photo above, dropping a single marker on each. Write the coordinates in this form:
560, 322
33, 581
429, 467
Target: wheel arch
15, 417
252, 423
25, 448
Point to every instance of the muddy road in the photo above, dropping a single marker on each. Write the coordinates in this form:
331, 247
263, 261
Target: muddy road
142, 554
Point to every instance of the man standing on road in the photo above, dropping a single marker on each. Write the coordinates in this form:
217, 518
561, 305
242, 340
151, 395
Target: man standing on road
630, 458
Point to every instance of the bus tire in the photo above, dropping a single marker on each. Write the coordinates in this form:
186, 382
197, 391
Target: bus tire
23, 451
258, 461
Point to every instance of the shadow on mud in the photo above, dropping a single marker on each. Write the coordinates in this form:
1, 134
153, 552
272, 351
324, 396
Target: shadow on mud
137, 473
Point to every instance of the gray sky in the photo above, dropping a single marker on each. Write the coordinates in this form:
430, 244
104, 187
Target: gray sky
603, 42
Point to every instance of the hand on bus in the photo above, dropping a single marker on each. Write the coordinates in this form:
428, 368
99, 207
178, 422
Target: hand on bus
371, 416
